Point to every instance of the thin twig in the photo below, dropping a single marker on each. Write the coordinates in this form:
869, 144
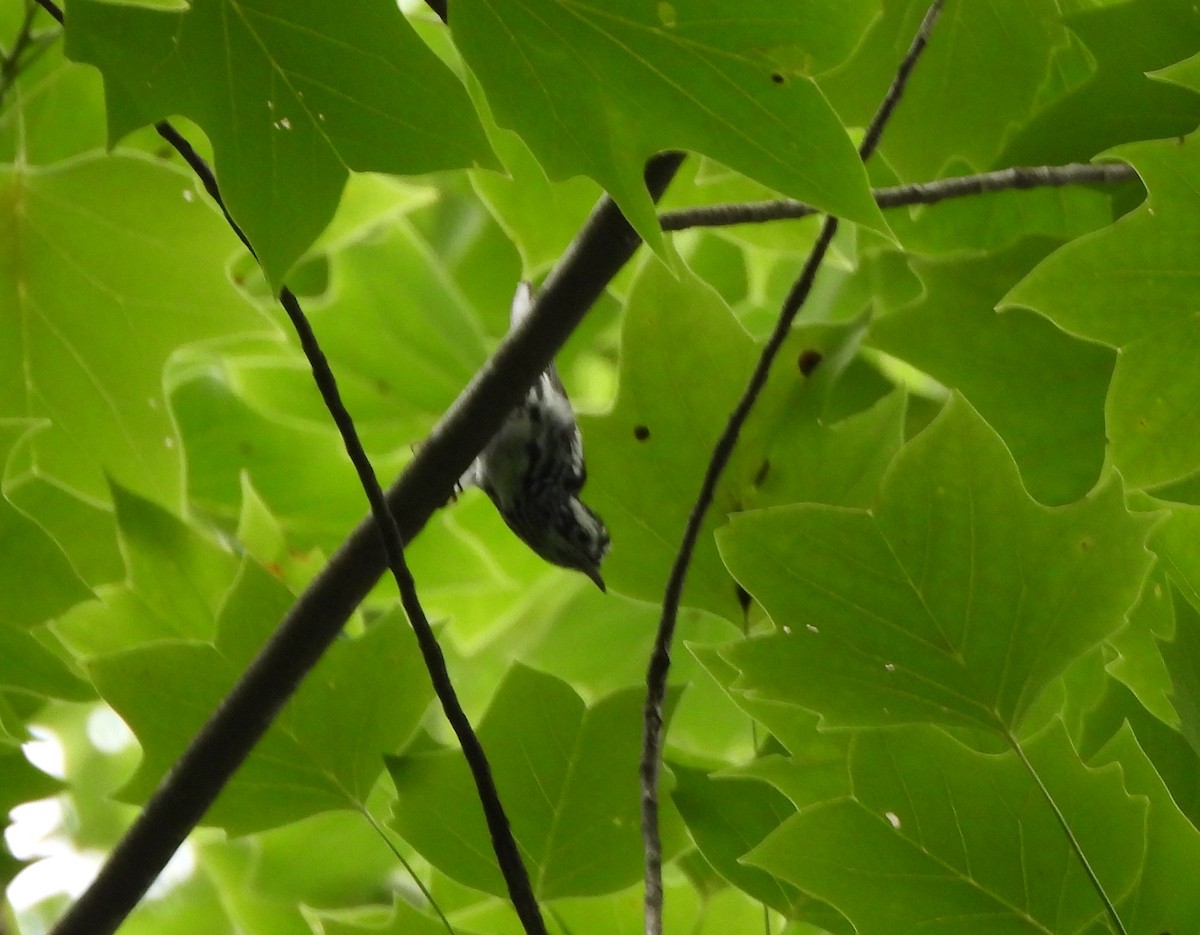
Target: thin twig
603, 246
516, 877
899, 196
507, 854
13, 63
660, 659
136, 860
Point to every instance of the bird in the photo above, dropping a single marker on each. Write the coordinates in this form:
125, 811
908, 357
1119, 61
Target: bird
533, 470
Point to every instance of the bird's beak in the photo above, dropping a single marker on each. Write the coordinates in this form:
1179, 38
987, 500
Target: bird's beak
594, 574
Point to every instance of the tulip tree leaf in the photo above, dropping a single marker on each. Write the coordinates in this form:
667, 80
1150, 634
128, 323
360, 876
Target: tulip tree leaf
292, 96
574, 78
364, 699
940, 838
956, 599
563, 771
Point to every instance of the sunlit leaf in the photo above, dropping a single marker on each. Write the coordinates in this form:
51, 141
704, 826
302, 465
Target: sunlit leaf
311, 760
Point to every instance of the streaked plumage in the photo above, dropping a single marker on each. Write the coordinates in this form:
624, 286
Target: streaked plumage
533, 470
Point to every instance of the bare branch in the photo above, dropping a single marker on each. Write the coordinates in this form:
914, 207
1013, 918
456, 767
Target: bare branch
660, 659
602, 247
900, 196
245, 715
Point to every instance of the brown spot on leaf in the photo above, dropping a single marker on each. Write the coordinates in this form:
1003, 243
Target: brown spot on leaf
641, 433
808, 361
777, 78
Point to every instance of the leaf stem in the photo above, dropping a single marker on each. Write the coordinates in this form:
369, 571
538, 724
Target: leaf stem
1109, 908
660, 658
408, 868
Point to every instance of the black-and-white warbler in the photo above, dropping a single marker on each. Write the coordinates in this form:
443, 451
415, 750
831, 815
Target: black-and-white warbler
533, 470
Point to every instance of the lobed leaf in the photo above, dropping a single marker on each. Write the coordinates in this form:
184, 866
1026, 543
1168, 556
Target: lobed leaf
940, 838
324, 753
564, 771
292, 97
595, 90
955, 600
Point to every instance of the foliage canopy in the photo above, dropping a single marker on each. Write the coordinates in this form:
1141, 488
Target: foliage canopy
938, 667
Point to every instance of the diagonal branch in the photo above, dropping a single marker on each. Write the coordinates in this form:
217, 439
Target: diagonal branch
660, 659
602, 247
899, 196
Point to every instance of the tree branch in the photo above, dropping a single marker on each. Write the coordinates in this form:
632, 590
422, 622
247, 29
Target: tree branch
899, 196
660, 659
603, 246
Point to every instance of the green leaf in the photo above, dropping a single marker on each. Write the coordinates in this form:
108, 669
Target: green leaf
112, 265
324, 752
939, 838
1182, 658
1175, 761
594, 90
563, 770
35, 577
955, 600
1042, 390
403, 919
29, 666
176, 581
1118, 101
1132, 286
682, 373
841, 463
425, 345
727, 817
1161, 901
972, 117
291, 96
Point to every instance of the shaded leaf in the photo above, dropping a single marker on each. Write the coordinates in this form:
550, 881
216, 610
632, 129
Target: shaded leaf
1182, 658
110, 265
1042, 390
35, 577
1161, 901
563, 772
939, 838
1132, 285
972, 117
955, 600
729, 816
176, 581
685, 361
